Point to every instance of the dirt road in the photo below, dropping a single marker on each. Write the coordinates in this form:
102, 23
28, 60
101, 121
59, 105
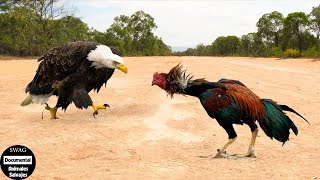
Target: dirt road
146, 134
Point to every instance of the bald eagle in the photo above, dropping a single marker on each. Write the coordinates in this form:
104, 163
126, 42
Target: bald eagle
70, 72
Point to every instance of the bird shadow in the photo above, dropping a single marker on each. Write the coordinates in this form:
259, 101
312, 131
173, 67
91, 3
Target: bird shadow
227, 156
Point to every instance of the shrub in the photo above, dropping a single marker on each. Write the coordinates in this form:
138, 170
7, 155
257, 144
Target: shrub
276, 52
312, 52
292, 53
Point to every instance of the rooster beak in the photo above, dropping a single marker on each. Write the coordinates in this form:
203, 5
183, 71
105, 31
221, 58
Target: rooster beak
153, 82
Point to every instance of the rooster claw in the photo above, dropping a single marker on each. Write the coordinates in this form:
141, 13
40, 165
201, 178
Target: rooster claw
220, 154
106, 105
251, 155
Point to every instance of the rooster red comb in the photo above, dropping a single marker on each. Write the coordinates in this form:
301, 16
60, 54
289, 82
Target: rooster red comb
177, 80
155, 74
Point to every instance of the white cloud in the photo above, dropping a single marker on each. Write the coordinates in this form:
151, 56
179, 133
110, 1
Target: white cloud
187, 23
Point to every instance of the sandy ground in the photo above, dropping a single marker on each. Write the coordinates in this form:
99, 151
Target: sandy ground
147, 135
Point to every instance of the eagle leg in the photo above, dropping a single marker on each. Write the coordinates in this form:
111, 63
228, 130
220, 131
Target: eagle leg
53, 111
96, 108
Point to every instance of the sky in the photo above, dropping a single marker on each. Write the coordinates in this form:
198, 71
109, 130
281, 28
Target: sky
188, 23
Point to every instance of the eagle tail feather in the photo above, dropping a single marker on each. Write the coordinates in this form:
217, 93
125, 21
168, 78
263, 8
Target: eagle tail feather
27, 100
38, 99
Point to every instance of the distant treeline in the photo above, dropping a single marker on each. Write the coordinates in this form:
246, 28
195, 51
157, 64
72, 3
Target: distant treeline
29, 28
296, 35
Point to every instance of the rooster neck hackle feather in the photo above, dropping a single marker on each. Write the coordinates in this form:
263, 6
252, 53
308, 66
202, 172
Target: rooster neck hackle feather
178, 81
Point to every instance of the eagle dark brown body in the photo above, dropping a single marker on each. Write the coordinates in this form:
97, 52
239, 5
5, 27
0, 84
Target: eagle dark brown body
68, 72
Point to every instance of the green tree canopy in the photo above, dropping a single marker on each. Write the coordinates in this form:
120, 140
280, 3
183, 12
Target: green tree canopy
270, 27
134, 35
226, 45
295, 30
315, 23
277, 36
252, 45
32, 27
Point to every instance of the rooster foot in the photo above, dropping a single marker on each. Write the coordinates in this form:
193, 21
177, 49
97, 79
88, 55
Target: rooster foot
220, 154
241, 156
250, 155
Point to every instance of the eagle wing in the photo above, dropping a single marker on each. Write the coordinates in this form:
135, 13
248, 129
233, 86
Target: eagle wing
57, 64
100, 77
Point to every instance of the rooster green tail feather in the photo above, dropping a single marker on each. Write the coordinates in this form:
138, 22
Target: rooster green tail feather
276, 123
287, 108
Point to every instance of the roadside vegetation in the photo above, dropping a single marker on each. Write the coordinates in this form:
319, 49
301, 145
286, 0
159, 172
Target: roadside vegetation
296, 35
29, 28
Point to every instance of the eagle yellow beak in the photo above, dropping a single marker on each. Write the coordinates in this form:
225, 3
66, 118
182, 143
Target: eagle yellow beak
122, 68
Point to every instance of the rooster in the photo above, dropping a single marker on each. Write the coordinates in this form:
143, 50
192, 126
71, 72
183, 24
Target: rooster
231, 102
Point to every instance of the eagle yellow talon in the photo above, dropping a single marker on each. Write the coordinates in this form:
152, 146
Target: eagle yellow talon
96, 108
53, 111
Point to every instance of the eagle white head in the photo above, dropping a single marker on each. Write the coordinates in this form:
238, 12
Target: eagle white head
102, 57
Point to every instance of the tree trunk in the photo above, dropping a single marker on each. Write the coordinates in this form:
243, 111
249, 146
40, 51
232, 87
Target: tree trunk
276, 39
300, 44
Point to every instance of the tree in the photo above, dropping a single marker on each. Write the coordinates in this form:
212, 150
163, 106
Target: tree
295, 28
315, 20
248, 44
66, 29
226, 45
134, 35
190, 52
252, 45
4, 5
315, 23
141, 25
119, 33
163, 49
270, 27
19, 31
32, 27
7, 5
276, 36
201, 50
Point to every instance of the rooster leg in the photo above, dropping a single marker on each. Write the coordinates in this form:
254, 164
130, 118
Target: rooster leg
223, 149
250, 152
96, 108
232, 137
